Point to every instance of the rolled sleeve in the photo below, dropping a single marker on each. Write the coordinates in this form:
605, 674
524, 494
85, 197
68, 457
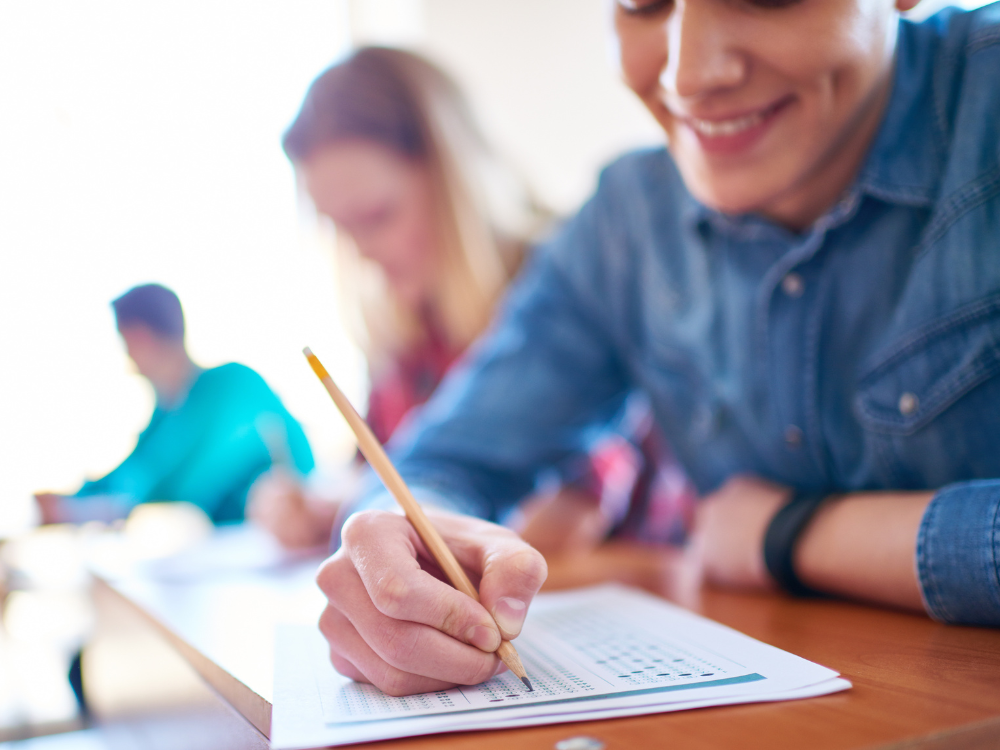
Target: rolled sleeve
958, 554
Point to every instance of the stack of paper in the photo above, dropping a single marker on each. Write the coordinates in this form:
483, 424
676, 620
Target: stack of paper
591, 653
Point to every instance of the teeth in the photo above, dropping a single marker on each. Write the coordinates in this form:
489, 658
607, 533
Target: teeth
726, 127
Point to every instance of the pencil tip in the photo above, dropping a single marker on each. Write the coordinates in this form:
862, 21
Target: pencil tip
307, 351
527, 684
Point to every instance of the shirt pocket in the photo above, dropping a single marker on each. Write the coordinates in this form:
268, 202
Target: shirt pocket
930, 403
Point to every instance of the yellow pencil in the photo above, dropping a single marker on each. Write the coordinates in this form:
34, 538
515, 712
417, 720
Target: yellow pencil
377, 458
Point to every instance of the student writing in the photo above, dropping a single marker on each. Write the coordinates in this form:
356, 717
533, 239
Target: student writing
805, 281
204, 442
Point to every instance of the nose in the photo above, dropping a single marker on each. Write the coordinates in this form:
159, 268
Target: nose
702, 50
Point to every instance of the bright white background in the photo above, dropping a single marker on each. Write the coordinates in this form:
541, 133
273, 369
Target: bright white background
140, 142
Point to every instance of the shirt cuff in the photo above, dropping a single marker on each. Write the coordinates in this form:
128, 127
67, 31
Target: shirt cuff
958, 554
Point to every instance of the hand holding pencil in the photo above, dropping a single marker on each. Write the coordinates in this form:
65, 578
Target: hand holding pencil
391, 620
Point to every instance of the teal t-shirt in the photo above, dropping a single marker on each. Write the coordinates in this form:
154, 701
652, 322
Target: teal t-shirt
208, 448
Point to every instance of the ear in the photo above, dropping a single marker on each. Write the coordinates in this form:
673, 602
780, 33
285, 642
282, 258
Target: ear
904, 5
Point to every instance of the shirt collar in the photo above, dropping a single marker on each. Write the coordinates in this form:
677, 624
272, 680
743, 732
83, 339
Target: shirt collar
907, 157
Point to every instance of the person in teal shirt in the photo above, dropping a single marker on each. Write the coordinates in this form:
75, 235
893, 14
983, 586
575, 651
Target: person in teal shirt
212, 433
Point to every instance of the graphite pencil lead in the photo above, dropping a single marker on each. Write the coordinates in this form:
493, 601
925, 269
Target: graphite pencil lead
527, 684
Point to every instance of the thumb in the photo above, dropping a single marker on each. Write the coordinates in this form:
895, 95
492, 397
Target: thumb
510, 570
513, 571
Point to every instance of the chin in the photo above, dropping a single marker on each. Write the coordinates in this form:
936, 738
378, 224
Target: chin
409, 296
744, 187
727, 199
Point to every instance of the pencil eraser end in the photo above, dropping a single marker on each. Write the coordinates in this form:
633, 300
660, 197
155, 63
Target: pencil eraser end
314, 362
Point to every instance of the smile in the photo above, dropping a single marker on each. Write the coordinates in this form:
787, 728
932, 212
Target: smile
734, 126
726, 127
736, 135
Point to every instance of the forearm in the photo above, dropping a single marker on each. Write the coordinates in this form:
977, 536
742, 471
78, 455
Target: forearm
104, 508
519, 403
934, 552
863, 546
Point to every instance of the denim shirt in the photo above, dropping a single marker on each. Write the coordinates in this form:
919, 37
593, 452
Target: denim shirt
861, 354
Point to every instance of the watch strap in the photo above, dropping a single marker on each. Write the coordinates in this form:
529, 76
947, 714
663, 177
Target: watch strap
782, 536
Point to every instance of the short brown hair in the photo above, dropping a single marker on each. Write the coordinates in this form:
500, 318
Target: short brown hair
153, 306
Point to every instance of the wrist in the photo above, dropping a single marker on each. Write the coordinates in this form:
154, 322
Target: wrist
863, 545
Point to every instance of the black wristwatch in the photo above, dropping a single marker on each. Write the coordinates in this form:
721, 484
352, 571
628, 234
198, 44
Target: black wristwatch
782, 537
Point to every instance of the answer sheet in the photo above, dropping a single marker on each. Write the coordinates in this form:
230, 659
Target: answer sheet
589, 653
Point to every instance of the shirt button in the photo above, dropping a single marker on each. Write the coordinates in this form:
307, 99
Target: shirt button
793, 437
793, 285
908, 403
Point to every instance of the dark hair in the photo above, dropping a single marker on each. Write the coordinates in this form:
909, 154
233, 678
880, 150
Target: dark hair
153, 306
373, 95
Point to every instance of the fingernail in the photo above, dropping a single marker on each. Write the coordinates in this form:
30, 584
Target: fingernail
509, 614
483, 638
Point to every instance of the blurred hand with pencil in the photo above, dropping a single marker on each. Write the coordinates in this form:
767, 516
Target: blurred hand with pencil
279, 502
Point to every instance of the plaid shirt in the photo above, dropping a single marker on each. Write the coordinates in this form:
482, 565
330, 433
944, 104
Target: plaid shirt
642, 489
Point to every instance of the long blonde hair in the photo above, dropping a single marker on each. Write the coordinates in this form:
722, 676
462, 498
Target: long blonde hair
484, 217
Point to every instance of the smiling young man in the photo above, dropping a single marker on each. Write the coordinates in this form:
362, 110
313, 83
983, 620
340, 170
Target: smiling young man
805, 282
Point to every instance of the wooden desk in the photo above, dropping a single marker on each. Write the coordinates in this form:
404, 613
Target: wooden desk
917, 684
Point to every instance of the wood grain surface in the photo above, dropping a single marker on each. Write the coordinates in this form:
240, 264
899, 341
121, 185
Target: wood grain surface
917, 683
